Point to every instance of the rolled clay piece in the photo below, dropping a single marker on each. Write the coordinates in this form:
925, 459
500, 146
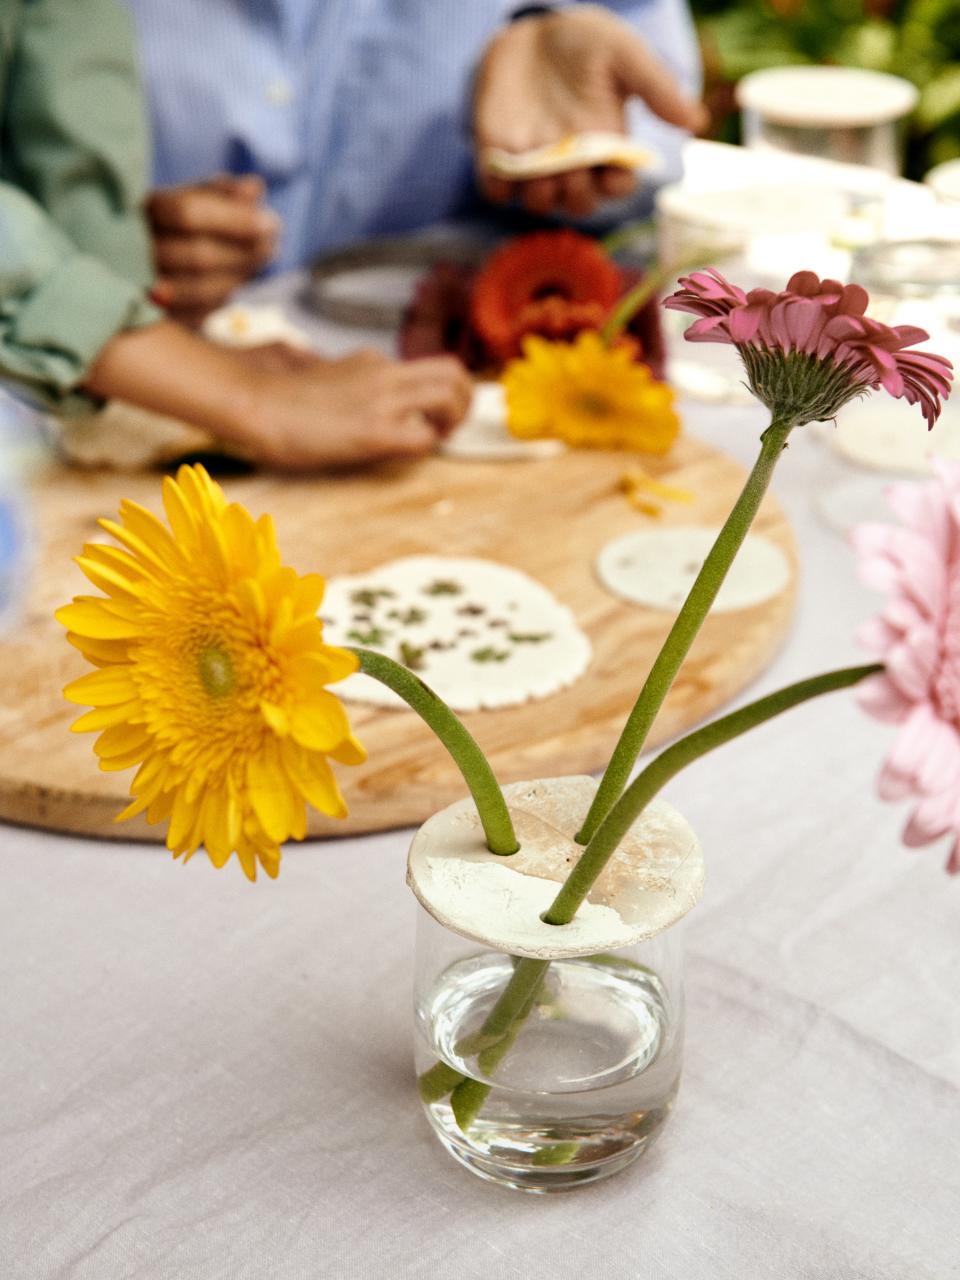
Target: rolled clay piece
483, 435
246, 325
479, 633
656, 568
576, 151
123, 437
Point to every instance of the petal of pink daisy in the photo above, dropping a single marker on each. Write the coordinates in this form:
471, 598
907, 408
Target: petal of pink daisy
893, 784
880, 698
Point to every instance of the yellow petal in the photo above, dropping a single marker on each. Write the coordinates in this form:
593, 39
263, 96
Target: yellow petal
151, 531
270, 861
103, 688
118, 559
314, 779
132, 809
178, 512
309, 593
276, 718
350, 751
160, 807
270, 795
100, 652
248, 860
183, 815
105, 717
106, 578
141, 548
321, 724
241, 533
87, 618
122, 738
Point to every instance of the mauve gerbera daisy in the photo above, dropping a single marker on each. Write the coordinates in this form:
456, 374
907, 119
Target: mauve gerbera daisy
546, 264
211, 676
810, 348
917, 563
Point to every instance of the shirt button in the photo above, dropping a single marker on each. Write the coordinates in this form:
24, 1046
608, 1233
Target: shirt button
279, 92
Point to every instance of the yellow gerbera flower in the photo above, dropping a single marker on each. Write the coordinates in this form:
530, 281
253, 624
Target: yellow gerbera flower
211, 676
588, 395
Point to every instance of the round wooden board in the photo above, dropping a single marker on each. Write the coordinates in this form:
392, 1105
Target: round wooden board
549, 518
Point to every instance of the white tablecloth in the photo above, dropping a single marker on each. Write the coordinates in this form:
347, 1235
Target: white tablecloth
205, 1080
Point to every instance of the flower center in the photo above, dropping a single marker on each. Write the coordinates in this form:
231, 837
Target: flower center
592, 404
946, 681
216, 671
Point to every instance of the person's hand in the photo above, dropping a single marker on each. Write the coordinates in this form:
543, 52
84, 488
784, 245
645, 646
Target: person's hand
208, 238
362, 408
283, 406
551, 75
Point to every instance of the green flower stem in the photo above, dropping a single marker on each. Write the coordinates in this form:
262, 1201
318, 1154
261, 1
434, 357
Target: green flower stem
654, 280
633, 300
491, 1043
499, 1031
685, 628
626, 234
469, 759
669, 763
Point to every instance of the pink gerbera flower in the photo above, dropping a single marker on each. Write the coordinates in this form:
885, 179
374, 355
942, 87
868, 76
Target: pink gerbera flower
918, 639
810, 348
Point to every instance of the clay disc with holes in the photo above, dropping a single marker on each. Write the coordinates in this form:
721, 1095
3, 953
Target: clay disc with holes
548, 518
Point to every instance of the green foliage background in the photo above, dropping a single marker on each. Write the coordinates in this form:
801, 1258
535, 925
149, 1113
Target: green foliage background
916, 39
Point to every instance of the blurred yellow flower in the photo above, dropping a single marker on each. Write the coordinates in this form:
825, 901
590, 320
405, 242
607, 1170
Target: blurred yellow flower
211, 676
588, 395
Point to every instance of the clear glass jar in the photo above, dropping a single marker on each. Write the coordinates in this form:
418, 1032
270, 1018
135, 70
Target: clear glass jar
568, 1080
838, 113
874, 440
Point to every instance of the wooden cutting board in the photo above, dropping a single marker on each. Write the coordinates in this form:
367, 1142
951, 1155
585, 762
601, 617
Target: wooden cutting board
549, 518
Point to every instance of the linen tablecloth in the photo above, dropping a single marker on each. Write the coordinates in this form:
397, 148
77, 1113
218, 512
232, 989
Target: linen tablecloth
205, 1080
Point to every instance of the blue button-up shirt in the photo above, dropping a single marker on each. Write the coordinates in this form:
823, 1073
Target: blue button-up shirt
356, 112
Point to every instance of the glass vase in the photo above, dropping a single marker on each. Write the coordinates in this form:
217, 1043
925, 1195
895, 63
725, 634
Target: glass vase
589, 1075
547, 1056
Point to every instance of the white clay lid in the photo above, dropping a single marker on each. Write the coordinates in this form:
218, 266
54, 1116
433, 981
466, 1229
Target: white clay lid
650, 882
945, 180
826, 97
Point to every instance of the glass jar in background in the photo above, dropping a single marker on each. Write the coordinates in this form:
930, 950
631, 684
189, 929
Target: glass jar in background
757, 234
944, 182
874, 440
837, 113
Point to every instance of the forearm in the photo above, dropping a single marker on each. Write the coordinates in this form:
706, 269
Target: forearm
210, 386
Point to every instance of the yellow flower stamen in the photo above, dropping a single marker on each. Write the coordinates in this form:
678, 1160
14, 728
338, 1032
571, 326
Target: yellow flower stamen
216, 671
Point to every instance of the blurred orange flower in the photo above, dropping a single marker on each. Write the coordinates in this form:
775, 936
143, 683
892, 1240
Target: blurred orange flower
533, 270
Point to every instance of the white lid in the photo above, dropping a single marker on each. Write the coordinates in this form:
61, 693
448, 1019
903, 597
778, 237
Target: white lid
827, 96
945, 180
651, 881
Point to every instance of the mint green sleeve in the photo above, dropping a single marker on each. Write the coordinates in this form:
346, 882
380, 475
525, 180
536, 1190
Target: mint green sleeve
74, 254
58, 306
